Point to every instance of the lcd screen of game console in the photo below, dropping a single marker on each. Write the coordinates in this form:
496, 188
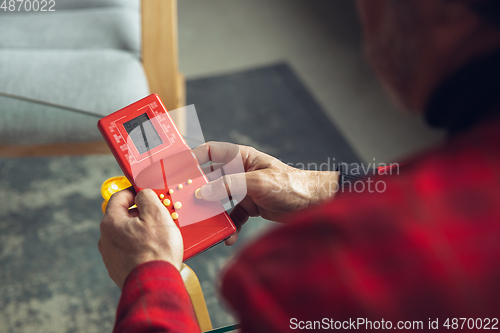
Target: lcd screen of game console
143, 134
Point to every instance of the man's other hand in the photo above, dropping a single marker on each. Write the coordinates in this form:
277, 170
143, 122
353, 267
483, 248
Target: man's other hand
132, 237
264, 185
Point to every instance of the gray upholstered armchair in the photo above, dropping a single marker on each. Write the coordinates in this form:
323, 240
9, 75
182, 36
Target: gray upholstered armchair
91, 55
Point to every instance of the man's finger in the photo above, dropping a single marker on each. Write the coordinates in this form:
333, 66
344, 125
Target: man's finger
217, 152
235, 185
223, 187
239, 216
213, 171
120, 202
150, 207
232, 240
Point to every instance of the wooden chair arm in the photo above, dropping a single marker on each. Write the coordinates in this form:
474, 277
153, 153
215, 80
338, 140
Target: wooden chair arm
160, 55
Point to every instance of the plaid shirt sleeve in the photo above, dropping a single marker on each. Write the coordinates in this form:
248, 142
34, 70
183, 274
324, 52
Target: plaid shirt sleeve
154, 299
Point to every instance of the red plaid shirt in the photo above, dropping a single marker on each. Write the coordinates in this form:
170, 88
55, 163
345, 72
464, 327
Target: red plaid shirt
426, 248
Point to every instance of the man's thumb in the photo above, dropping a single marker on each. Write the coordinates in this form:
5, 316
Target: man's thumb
234, 185
149, 205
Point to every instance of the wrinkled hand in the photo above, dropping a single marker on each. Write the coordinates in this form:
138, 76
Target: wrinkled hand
264, 185
132, 237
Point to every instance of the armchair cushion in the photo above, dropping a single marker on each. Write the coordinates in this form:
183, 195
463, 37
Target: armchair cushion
72, 4
102, 28
100, 81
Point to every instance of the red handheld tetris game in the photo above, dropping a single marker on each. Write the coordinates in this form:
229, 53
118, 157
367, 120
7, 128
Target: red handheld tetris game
153, 154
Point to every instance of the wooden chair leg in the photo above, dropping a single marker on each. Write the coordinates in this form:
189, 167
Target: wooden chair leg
196, 294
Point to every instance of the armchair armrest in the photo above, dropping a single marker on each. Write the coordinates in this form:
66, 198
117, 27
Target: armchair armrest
160, 54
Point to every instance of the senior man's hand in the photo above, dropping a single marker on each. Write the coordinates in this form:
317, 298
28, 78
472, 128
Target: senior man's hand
132, 237
266, 186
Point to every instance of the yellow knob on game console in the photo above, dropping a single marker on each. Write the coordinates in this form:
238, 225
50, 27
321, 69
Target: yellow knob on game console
111, 186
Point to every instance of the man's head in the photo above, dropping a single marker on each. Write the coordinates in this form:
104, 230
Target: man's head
414, 44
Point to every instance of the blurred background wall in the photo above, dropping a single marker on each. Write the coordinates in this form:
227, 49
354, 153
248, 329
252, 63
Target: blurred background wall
321, 41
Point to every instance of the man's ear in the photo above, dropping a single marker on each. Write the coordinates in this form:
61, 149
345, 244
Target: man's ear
453, 23
453, 12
